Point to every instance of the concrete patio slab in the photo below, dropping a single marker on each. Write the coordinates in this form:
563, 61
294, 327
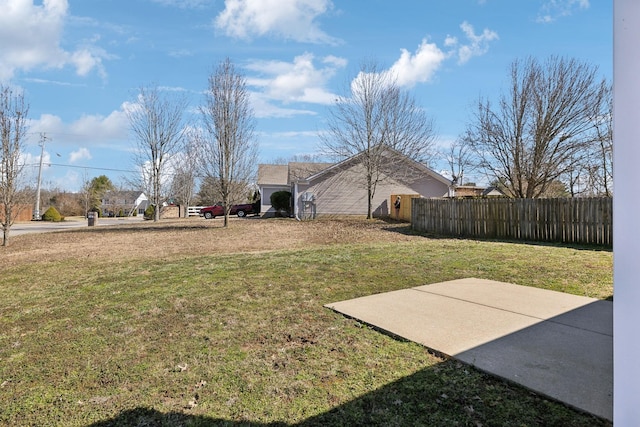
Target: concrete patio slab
556, 344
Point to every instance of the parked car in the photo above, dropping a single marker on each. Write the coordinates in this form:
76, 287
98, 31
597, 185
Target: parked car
241, 210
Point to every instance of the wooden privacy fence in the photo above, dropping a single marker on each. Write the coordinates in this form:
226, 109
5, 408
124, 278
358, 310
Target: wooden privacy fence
21, 213
567, 220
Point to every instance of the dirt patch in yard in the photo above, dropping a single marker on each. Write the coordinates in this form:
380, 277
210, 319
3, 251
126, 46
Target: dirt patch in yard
197, 236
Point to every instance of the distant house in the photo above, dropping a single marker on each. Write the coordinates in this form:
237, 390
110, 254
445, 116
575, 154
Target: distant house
336, 189
126, 203
274, 178
473, 191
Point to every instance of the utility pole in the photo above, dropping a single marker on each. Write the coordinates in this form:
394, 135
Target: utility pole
36, 212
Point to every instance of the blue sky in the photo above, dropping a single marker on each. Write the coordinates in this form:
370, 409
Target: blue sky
80, 62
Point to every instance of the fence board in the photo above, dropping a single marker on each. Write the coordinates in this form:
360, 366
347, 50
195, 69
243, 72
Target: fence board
193, 210
567, 220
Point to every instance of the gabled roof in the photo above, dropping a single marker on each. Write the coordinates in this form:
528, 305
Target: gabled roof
299, 171
307, 171
474, 191
392, 153
287, 174
493, 192
273, 174
123, 194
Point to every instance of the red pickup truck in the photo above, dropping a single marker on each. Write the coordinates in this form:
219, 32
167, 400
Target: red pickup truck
241, 210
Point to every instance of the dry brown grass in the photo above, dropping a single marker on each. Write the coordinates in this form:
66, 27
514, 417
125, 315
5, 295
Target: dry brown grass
196, 236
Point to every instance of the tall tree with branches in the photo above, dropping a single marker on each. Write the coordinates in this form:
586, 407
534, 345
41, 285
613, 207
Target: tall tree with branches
156, 121
13, 127
229, 149
540, 127
381, 123
185, 174
600, 163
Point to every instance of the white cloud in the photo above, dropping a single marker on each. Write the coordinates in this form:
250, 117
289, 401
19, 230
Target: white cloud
180, 53
552, 10
478, 44
50, 82
264, 108
33, 161
297, 81
80, 154
172, 89
30, 36
286, 19
420, 67
113, 126
184, 4
85, 61
88, 129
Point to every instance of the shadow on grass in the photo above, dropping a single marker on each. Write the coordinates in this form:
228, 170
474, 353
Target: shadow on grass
143, 228
151, 417
427, 398
407, 230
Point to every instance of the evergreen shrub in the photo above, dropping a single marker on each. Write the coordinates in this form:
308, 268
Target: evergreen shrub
52, 215
281, 202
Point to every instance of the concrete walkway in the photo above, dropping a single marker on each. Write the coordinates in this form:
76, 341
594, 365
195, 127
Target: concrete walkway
556, 344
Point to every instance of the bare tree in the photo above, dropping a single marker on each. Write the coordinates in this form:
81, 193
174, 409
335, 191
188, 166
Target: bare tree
541, 127
229, 150
590, 173
185, 172
13, 128
381, 123
460, 159
156, 121
600, 164
298, 158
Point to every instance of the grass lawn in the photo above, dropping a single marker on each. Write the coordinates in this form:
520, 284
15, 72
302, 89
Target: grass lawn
187, 323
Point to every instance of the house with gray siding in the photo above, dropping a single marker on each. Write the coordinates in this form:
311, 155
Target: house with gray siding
127, 202
271, 178
325, 189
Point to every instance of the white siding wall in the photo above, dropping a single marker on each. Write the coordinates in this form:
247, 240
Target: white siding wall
265, 195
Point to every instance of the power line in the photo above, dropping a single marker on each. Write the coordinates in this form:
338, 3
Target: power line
103, 169
82, 167
92, 168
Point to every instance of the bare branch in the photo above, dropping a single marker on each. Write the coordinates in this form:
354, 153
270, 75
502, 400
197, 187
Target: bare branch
228, 146
377, 121
542, 125
156, 123
13, 127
